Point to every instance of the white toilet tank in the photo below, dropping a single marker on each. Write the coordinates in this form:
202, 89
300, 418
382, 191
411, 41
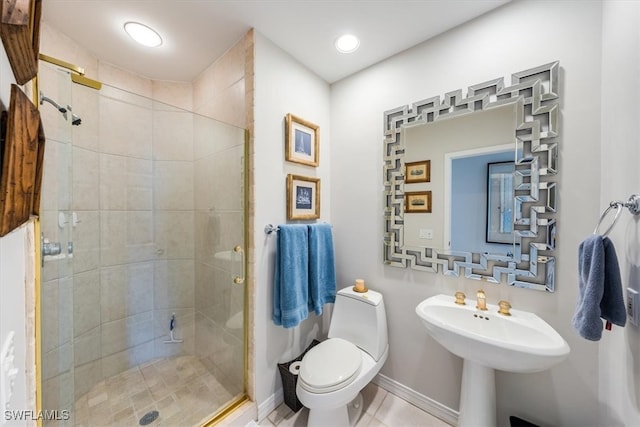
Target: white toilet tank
360, 318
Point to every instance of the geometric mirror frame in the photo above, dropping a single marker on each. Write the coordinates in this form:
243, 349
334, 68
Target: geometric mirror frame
535, 94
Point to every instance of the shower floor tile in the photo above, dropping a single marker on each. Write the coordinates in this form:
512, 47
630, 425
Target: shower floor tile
181, 389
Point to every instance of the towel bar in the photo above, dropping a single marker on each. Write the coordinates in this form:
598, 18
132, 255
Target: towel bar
633, 204
270, 228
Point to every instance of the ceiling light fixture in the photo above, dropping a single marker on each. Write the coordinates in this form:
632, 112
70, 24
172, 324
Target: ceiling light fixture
143, 34
347, 43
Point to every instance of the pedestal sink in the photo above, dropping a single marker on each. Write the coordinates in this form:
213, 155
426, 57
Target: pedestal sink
486, 340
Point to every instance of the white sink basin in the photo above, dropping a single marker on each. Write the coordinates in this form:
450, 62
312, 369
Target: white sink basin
522, 342
486, 340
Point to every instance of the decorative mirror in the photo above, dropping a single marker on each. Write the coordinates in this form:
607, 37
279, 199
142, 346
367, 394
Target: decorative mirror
492, 157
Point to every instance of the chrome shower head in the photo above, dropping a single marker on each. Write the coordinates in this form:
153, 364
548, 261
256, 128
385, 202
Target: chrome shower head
75, 119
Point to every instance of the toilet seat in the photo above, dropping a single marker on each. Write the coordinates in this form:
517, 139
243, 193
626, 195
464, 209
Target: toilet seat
330, 365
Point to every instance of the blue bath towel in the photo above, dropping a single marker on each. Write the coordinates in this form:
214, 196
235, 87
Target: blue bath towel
600, 288
291, 276
322, 271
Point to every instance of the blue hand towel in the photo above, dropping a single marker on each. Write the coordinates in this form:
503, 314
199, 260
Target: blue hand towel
322, 271
291, 276
612, 304
600, 288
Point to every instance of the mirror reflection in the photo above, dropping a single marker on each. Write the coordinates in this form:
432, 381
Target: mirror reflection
460, 149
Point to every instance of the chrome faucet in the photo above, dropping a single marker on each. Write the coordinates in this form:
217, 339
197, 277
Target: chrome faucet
481, 300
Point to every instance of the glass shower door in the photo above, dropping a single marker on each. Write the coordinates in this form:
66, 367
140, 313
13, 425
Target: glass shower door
56, 283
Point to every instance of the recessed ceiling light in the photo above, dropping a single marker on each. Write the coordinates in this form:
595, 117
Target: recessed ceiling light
142, 34
347, 43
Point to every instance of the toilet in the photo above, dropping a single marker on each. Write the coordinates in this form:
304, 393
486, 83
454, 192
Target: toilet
333, 373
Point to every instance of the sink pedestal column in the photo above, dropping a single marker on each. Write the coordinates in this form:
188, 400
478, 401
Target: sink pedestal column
477, 396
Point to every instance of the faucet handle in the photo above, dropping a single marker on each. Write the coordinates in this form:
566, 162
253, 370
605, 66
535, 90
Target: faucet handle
504, 307
460, 296
481, 300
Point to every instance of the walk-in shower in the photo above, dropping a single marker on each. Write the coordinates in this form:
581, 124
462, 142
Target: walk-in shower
139, 310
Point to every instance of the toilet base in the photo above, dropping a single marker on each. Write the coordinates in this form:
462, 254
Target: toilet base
354, 409
342, 416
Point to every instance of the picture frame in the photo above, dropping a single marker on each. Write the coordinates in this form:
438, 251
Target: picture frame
417, 171
303, 197
500, 203
302, 141
417, 202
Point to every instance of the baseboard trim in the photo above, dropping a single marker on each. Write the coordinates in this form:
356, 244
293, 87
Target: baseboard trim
423, 402
269, 405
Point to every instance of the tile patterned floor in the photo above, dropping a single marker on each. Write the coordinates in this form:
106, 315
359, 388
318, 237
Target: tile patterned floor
181, 389
184, 393
381, 409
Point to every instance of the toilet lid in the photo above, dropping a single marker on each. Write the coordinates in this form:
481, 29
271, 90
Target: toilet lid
330, 365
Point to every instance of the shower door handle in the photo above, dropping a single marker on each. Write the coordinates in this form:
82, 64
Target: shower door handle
239, 279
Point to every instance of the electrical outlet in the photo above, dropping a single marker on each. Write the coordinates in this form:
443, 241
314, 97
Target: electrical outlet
633, 299
425, 233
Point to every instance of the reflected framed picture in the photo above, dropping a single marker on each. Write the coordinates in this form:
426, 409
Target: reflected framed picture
417, 171
302, 141
417, 202
500, 202
303, 197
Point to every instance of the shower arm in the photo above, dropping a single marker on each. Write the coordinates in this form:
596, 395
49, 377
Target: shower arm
54, 103
75, 119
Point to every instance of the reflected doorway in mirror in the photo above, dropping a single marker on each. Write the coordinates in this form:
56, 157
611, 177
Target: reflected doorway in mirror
466, 188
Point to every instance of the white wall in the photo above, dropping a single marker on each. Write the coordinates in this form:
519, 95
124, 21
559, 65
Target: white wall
515, 37
282, 86
13, 248
619, 368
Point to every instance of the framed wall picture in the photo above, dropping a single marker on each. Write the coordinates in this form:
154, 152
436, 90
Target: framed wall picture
303, 197
302, 141
417, 202
417, 171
